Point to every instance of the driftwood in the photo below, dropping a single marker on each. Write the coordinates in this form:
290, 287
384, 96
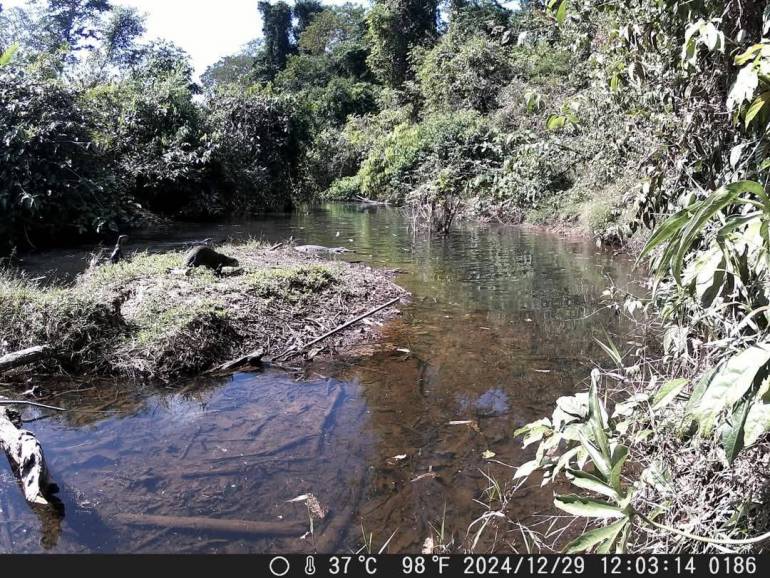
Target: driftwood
215, 525
253, 359
25, 357
26, 456
290, 354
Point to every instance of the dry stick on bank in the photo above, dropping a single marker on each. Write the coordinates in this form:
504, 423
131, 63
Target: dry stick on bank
26, 457
290, 354
24, 357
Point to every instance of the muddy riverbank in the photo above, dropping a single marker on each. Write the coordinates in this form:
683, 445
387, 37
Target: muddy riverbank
148, 318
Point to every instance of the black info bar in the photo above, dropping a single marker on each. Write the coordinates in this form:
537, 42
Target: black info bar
394, 566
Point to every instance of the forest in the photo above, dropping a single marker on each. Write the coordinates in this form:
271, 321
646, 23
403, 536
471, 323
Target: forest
641, 123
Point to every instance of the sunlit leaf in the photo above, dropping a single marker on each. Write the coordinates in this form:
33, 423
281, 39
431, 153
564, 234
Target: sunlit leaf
7, 55
601, 461
580, 506
748, 55
729, 384
666, 231
561, 11
757, 106
743, 89
603, 537
706, 210
668, 392
524, 470
757, 423
556, 122
732, 438
589, 482
618, 459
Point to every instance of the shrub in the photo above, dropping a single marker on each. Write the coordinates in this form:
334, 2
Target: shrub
463, 73
254, 150
52, 178
412, 154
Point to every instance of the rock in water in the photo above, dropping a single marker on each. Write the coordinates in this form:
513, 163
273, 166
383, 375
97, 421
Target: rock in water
203, 256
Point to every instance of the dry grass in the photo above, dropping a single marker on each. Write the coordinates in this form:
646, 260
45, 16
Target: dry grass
146, 318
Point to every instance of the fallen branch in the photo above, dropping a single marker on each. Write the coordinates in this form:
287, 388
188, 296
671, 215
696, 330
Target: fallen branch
30, 403
26, 456
215, 525
24, 357
290, 354
253, 359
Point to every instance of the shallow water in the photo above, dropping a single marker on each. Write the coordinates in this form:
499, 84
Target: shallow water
502, 322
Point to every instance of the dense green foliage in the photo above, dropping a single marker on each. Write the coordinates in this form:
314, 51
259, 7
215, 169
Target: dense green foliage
698, 74
616, 116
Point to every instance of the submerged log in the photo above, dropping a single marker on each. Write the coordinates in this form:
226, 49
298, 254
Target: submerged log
215, 525
26, 456
24, 357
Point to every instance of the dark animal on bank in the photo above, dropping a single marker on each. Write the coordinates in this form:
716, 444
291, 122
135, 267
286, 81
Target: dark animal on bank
202, 256
117, 252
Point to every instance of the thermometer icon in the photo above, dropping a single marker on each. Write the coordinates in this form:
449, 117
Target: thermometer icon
310, 566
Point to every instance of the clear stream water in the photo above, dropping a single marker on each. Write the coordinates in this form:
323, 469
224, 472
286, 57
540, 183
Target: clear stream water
502, 322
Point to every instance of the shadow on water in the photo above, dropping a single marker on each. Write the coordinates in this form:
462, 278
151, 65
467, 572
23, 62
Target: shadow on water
502, 323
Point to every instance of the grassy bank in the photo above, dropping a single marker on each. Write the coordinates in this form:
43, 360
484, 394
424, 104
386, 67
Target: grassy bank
145, 318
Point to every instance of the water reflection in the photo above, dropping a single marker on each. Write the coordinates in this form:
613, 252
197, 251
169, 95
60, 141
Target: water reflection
501, 324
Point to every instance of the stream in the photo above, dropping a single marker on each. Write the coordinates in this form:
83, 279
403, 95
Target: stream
401, 444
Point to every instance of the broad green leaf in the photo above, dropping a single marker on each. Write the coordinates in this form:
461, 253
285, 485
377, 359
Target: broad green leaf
757, 106
589, 482
524, 470
615, 83
732, 439
535, 425
561, 12
745, 86
757, 423
601, 461
569, 409
667, 393
766, 20
7, 55
619, 455
597, 415
580, 506
556, 122
709, 270
565, 459
749, 54
665, 231
626, 408
603, 537
735, 222
612, 351
718, 200
730, 383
